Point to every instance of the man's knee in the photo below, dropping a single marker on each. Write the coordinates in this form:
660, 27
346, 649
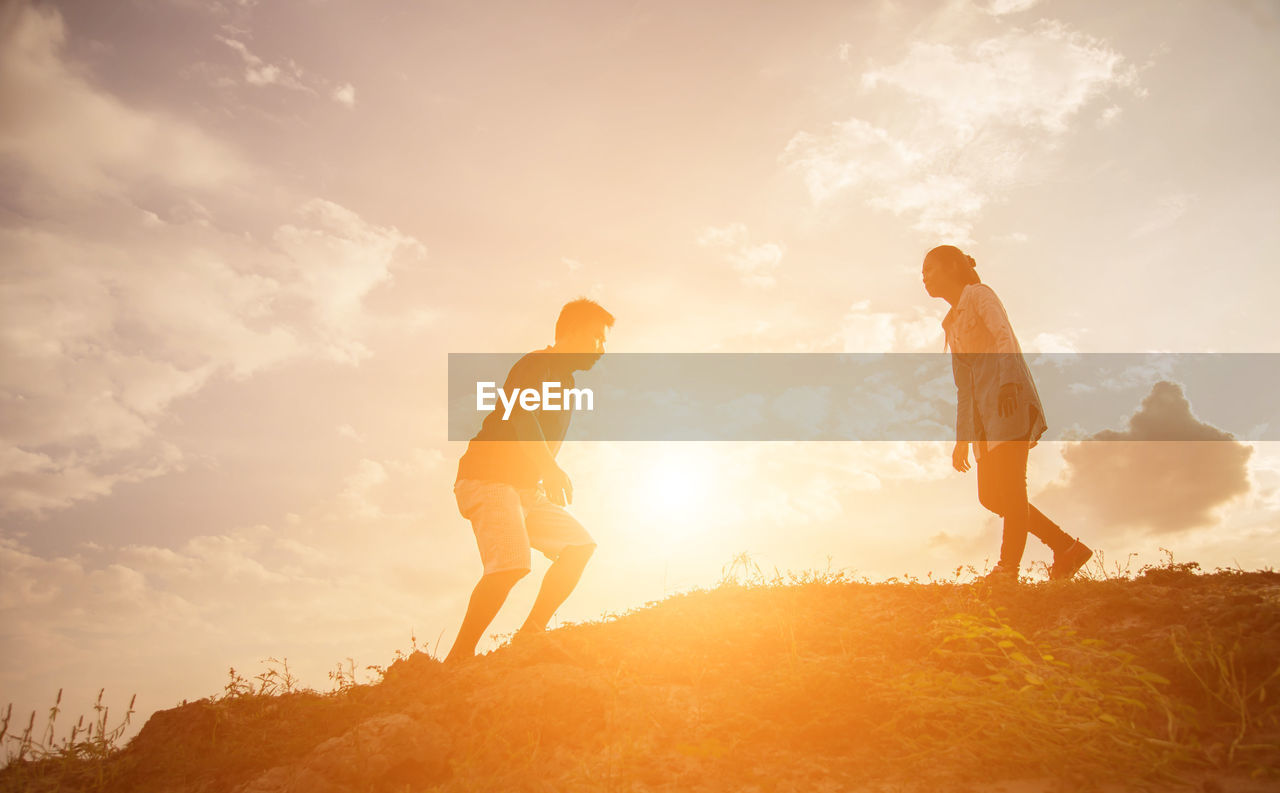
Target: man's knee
577, 554
505, 578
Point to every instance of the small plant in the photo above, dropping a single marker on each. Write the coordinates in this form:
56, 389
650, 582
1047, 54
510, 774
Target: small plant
80, 761
237, 686
742, 569
772, 679
1050, 695
344, 678
276, 679
1232, 698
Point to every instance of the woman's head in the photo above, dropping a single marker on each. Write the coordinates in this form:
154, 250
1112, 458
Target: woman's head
947, 270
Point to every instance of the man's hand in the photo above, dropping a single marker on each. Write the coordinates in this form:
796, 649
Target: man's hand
1007, 399
559, 488
960, 456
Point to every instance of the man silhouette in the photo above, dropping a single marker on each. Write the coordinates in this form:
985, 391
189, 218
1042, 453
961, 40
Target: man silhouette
513, 492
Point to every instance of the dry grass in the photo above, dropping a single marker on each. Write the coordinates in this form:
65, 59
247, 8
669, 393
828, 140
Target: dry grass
1161, 677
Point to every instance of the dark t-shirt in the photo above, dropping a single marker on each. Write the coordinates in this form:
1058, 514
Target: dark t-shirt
492, 454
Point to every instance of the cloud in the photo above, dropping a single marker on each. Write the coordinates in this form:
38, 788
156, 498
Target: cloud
344, 94
754, 263
1054, 344
130, 286
1108, 116
166, 621
350, 432
1014, 236
103, 332
852, 153
1035, 79
1130, 372
286, 73
1166, 473
865, 331
1001, 7
963, 123
64, 138
359, 488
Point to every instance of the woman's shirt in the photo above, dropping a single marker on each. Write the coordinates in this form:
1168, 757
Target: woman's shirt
984, 356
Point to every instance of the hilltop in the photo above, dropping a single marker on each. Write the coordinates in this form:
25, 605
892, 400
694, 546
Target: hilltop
1168, 680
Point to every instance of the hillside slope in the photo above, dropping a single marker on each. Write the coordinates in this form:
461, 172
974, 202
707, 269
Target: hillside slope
1168, 679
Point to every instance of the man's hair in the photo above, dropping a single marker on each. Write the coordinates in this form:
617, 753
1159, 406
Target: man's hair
582, 313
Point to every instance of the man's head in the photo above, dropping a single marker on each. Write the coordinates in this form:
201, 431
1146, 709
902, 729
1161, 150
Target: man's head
581, 331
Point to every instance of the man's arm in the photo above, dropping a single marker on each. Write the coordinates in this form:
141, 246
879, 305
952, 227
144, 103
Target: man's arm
533, 443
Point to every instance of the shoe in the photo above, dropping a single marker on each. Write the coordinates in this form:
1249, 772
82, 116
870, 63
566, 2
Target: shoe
541, 648
1069, 562
1001, 574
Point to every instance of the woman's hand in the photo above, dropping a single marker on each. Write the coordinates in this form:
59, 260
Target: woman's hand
1007, 399
960, 456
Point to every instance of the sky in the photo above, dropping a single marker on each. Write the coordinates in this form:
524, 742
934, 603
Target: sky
238, 240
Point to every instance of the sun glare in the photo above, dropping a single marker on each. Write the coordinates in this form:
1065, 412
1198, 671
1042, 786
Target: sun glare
679, 488
676, 484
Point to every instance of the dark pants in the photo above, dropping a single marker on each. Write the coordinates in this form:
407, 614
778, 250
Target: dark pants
1002, 488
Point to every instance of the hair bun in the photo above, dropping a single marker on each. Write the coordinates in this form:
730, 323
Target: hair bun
972, 264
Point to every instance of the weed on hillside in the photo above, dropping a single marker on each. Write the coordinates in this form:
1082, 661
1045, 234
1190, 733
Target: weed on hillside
1160, 678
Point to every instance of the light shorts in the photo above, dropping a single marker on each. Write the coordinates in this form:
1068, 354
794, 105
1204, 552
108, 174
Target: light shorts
509, 521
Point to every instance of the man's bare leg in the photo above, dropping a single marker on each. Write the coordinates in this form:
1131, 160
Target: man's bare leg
557, 585
486, 599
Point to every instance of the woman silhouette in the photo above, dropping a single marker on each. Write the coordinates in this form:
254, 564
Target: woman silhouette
998, 411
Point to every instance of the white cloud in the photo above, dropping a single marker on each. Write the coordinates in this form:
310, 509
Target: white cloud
966, 120
1053, 343
333, 259
359, 488
851, 154
754, 263
1002, 7
1014, 236
344, 94
167, 621
865, 331
70, 139
124, 292
348, 431
102, 333
1109, 116
1038, 78
286, 73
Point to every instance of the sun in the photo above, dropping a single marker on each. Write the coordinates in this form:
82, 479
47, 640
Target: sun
677, 483
678, 490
